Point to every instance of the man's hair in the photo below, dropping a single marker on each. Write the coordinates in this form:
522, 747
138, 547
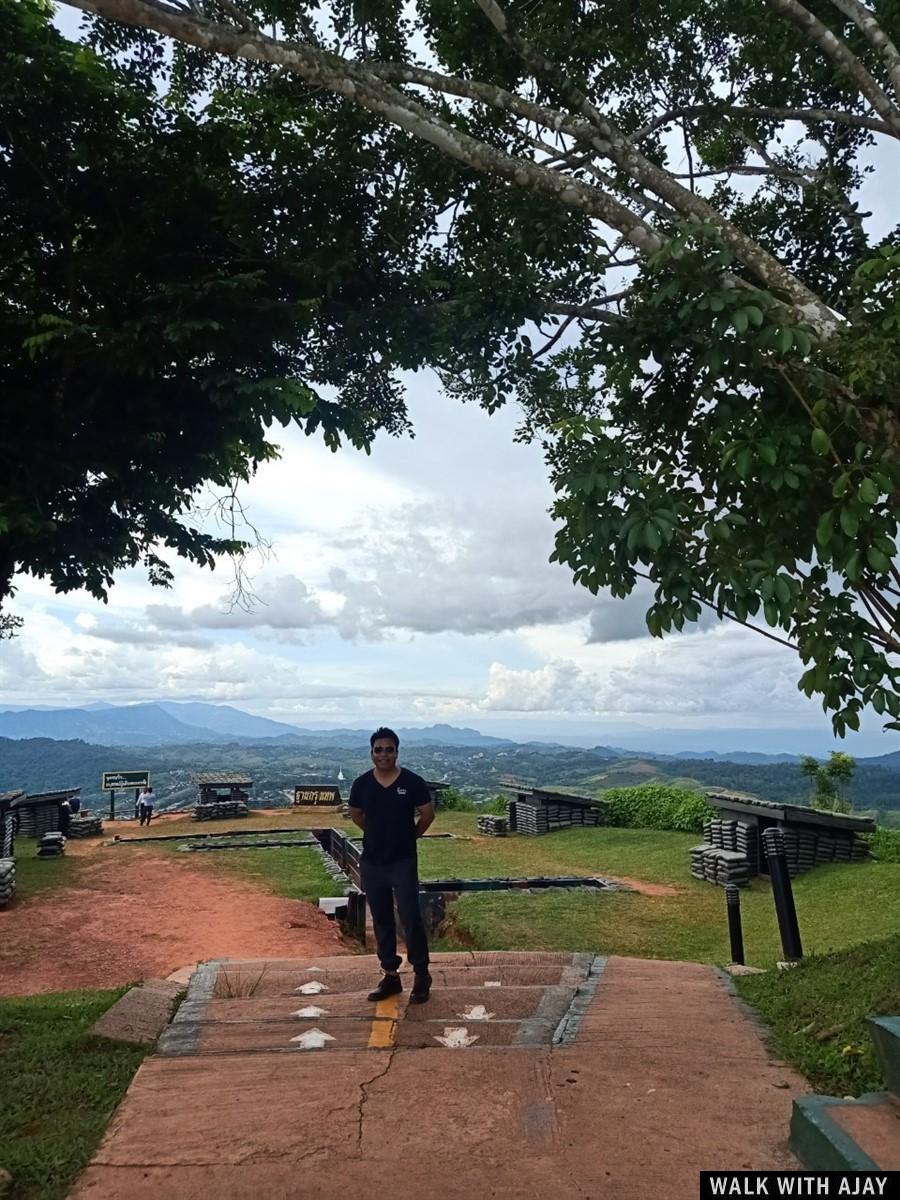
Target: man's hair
384, 732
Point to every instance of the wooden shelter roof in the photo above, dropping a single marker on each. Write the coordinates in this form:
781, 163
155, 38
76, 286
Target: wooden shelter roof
791, 814
8, 797
38, 798
539, 796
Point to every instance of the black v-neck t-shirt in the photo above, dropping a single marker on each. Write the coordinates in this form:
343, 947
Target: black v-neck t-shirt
390, 832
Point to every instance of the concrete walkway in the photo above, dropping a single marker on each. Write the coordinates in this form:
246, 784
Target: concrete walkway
525, 1075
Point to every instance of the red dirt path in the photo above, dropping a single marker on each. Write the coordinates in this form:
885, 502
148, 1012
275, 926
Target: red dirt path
143, 917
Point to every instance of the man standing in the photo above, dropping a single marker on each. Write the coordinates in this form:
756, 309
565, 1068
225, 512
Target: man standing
393, 808
145, 804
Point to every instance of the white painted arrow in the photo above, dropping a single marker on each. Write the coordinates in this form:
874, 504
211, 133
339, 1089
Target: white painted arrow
312, 968
456, 1038
313, 1039
310, 989
310, 1011
492, 983
476, 1013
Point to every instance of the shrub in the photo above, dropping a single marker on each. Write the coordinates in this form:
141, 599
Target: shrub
497, 805
885, 844
453, 800
655, 806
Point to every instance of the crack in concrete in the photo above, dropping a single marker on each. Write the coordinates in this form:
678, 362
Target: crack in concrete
366, 1083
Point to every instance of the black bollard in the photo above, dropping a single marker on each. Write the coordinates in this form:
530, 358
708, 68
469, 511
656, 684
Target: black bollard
735, 933
783, 894
356, 915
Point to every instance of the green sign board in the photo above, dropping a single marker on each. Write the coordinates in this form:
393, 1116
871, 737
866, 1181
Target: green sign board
120, 781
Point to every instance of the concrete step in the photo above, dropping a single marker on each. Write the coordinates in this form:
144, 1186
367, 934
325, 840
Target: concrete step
242, 981
141, 1014
453, 1003
829, 1133
885, 1033
287, 1005
833, 1134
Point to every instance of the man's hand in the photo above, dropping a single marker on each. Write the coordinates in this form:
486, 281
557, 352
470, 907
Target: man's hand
424, 819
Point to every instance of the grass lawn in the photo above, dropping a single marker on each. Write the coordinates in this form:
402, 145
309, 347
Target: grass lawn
58, 1088
837, 905
298, 874
35, 875
637, 853
817, 1013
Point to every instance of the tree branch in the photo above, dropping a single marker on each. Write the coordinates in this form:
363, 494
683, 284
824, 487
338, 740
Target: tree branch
539, 64
589, 311
888, 611
801, 178
355, 82
238, 15
866, 21
773, 637
840, 54
611, 143
806, 115
648, 203
548, 346
486, 93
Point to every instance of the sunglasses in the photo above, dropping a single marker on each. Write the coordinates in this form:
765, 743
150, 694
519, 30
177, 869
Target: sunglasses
384, 750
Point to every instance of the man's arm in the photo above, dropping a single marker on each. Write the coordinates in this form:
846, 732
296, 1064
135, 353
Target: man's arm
424, 817
358, 817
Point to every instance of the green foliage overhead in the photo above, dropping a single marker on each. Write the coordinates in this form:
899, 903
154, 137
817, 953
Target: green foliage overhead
655, 806
170, 289
742, 471
645, 231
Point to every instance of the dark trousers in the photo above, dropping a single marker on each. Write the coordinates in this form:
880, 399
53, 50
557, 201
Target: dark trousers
384, 883
146, 812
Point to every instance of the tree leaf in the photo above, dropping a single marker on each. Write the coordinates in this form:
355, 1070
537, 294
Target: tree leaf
825, 528
841, 484
740, 320
849, 522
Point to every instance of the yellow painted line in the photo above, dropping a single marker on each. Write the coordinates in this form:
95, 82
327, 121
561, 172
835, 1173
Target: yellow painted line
384, 1026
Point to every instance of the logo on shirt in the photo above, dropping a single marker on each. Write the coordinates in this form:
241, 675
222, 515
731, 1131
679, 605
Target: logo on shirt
401, 791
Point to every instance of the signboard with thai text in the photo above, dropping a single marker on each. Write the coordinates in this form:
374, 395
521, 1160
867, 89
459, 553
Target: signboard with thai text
316, 796
120, 781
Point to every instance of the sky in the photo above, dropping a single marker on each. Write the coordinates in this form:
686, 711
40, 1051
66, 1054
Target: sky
412, 587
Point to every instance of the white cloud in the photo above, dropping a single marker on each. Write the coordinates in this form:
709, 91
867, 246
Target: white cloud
557, 687
415, 586
714, 673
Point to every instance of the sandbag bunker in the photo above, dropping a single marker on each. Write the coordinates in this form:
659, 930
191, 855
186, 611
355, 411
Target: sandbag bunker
733, 849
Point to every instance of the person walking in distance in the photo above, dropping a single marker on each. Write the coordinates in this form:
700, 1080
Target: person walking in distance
145, 804
393, 808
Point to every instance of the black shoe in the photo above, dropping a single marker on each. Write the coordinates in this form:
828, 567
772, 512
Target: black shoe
421, 988
390, 985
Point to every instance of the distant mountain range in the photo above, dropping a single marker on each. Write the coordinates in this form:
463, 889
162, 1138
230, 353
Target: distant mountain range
171, 723
735, 756
183, 723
